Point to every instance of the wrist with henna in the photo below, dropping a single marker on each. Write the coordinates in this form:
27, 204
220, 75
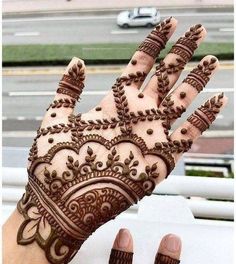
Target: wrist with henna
86, 169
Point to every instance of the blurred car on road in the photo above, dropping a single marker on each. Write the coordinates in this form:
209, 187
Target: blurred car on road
139, 17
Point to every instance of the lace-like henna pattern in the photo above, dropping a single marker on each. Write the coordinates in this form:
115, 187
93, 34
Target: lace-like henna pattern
120, 257
186, 45
206, 114
63, 207
72, 83
162, 72
163, 259
199, 76
157, 39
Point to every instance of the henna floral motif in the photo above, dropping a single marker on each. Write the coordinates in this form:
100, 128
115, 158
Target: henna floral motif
206, 114
157, 39
121, 257
66, 201
200, 76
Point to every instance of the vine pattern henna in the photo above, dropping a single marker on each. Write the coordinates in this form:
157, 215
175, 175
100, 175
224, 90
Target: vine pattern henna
206, 114
157, 39
120, 257
162, 73
64, 204
160, 258
185, 46
80, 195
200, 76
72, 83
67, 103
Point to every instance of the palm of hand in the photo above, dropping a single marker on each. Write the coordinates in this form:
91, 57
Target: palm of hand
86, 169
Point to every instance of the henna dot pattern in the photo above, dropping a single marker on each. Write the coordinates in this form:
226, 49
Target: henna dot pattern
183, 131
98, 108
133, 62
140, 95
53, 114
182, 95
149, 131
50, 140
73, 188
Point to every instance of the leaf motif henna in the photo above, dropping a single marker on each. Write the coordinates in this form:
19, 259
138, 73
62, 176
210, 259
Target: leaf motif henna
200, 76
162, 72
157, 39
68, 198
206, 114
72, 83
186, 45
67, 103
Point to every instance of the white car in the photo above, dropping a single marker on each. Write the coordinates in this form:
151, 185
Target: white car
140, 16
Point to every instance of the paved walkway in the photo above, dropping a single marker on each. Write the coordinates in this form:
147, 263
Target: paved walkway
18, 6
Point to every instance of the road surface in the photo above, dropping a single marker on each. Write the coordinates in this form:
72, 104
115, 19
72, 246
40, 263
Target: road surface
73, 28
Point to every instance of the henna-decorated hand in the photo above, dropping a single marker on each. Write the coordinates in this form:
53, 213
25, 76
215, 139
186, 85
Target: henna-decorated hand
122, 251
86, 169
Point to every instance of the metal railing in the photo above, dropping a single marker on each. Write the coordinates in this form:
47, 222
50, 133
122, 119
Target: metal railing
197, 191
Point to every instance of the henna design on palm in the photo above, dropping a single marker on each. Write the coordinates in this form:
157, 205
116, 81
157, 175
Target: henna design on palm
86, 169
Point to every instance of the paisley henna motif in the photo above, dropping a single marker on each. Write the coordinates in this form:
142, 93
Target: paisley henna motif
160, 258
120, 257
157, 39
68, 198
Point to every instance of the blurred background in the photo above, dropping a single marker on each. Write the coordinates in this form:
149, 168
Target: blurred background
41, 36
39, 39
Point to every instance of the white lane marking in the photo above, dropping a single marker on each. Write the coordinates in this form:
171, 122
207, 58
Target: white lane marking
37, 19
30, 134
219, 116
39, 118
103, 92
26, 34
117, 32
202, 14
21, 118
226, 29
218, 90
49, 93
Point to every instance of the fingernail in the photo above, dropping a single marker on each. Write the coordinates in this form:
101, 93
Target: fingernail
123, 239
172, 243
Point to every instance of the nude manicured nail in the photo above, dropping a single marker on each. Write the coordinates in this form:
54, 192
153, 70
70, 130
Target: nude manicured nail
123, 239
172, 243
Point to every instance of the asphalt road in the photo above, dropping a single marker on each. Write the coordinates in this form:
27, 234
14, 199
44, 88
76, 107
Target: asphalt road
72, 28
27, 95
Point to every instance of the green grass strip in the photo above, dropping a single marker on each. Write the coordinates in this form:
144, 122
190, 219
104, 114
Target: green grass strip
95, 53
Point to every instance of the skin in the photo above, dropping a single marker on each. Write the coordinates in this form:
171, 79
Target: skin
170, 244
32, 253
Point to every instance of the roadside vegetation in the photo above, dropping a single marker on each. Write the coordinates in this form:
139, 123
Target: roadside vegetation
27, 55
